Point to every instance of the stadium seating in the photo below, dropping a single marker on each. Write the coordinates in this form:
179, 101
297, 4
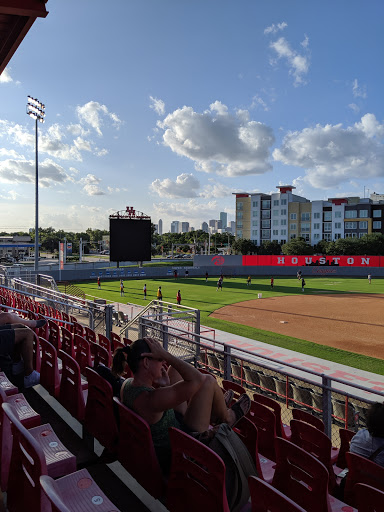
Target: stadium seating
265, 421
361, 471
266, 498
281, 429
49, 370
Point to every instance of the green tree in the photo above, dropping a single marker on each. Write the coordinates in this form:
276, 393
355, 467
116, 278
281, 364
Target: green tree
270, 247
243, 246
296, 247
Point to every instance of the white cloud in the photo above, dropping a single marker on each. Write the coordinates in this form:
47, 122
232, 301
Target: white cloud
359, 91
192, 209
5, 77
298, 64
354, 107
94, 115
257, 101
11, 195
185, 185
305, 42
272, 29
332, 154
218, 141
23, 171
157, 105
91, 185
9, 152
76, 217
215, 190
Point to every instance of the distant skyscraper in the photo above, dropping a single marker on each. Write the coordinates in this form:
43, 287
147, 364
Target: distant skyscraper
232, 225
184, 227
212, 223
204, 227
160, 227
175, 226
224, 219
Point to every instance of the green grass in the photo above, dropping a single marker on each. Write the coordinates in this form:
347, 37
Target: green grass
196, 293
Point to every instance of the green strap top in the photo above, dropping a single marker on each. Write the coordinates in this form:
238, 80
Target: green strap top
159, 430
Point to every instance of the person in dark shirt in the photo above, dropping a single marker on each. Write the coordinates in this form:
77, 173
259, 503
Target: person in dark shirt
114, 375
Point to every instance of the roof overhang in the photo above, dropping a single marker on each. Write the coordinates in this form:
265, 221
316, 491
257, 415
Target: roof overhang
16, 18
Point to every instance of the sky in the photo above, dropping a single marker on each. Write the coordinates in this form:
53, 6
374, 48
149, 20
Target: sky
171, 106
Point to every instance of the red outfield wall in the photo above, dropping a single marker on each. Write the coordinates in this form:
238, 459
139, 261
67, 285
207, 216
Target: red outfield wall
297, 261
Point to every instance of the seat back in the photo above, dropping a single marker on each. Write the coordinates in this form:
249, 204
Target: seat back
299, 414
315, 442
237, 389
101, 355
197, 477
136, 451
27, 465
345, 440
301, 477
100, 420
361, 471
36, 352
67, 344
266, 498
83, 352
66, 318
53, 494
368, 499
276, 408
71, 394
105, 342
265, 421
89, 334
54, 334
49, 369
115, 338
78, 329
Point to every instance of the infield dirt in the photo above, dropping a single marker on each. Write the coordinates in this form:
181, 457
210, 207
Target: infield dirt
353, 322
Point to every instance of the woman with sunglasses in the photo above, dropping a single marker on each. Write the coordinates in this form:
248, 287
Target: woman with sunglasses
169, 392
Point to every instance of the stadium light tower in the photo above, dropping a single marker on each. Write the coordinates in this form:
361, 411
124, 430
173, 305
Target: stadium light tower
36, 110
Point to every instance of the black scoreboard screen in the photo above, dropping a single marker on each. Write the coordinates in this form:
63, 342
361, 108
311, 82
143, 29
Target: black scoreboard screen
130, 239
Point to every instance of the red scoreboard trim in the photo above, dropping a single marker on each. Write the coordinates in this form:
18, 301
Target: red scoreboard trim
302, 261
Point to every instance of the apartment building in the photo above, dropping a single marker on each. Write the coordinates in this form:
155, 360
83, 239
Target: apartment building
284, 215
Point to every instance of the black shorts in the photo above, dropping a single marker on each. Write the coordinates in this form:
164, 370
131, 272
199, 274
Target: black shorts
7, 340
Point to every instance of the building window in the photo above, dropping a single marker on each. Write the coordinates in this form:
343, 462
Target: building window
351, 214
293, 216
265, 224
327, 226
275, 222
283, 222
240, 234
327, 237
266, 214
337, 215
305, 236
350, 235
376, 213
377, 224
275, 202
255, 214
239, 206
293, 236
305, 227
337, 236
363, 224
283, 212
254, 232
327, 216
275, 213
283, 232
266, 233
363, 214
283, 202
337, 225
350, 225
305, 216
275, 232
255, 204
239, 225
293, 227
255, 223
316, 225
265, 204
316, 236
316, 215
239, 215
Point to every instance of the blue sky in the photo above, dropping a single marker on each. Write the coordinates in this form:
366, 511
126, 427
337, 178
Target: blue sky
170, 106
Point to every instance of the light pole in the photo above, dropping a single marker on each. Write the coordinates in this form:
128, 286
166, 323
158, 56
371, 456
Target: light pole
36, 110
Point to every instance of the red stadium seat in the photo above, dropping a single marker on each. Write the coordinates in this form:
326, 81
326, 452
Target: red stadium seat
49, 371
72, 396
265, 421
281, 429
266, 498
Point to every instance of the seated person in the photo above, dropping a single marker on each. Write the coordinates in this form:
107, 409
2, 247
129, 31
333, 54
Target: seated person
12, 318
114, 375
368, 440
16, 344
169, 392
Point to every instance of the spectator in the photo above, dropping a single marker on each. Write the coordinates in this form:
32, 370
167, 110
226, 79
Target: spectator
369, 442
114, 375
16, 342
169, 392
12, 318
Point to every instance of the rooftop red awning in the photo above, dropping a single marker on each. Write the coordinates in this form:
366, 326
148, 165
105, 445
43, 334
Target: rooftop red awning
16, 18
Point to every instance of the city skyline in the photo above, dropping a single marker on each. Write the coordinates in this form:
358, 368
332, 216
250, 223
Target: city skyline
180, 105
